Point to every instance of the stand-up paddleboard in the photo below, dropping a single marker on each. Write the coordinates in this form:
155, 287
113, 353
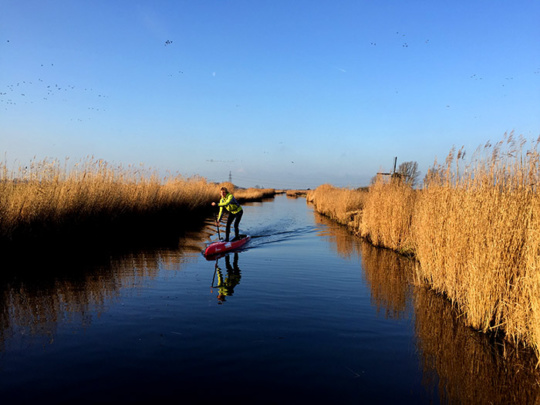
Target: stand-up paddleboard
221, 246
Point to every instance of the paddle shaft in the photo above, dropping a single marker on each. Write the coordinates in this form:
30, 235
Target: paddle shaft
217, 225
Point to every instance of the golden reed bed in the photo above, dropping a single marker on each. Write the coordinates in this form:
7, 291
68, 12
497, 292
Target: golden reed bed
474, 229
47, 198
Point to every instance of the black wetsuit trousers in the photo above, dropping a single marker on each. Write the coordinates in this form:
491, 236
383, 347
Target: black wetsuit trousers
236, 218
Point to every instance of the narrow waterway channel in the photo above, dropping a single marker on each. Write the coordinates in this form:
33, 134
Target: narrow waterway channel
306, 314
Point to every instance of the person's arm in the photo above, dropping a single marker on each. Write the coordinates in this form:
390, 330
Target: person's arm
225, 201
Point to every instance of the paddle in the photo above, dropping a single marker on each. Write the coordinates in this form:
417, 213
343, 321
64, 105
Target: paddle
217, 225
213, 278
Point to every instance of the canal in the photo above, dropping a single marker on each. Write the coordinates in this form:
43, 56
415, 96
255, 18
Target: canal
306, 313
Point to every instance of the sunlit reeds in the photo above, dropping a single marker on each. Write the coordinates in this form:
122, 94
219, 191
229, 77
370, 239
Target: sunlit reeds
47, 197
477, 237
387, 215
342, 205
473, 227
253, 194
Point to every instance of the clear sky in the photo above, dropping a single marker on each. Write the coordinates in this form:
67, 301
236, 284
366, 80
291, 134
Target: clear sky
279, 93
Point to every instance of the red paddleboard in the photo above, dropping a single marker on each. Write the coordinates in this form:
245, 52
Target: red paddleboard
215, 248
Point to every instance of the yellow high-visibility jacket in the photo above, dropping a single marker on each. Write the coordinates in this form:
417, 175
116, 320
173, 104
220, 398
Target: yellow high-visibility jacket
230, 204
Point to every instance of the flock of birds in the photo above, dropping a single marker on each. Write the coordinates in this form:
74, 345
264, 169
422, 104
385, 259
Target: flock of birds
41, 89
26, 92
31, 91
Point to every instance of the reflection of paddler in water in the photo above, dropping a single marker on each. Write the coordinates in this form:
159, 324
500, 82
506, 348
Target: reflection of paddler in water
226, 284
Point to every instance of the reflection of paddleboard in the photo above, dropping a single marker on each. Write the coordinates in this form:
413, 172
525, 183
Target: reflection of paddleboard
215, 248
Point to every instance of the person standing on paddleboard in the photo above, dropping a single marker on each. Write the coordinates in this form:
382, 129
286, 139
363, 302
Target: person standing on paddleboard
235, 212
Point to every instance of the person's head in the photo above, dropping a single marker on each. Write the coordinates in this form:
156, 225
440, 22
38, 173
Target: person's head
224, 191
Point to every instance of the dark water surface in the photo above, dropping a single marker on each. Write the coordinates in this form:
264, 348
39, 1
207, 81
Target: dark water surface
306, 314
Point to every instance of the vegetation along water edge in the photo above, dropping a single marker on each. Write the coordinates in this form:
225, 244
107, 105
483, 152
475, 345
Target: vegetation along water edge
49, 201
473, 227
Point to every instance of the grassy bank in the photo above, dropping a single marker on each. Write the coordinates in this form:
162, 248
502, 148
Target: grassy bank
474, 228
45, 200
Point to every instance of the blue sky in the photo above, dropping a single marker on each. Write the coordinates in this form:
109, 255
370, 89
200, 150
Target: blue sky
284, 94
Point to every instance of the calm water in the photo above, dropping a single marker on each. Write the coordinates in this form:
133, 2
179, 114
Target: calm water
306, 314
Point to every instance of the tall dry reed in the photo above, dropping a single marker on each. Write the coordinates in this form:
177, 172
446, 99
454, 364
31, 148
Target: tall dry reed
46, 197
342, 205
474, 229
477, 237
386, 220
